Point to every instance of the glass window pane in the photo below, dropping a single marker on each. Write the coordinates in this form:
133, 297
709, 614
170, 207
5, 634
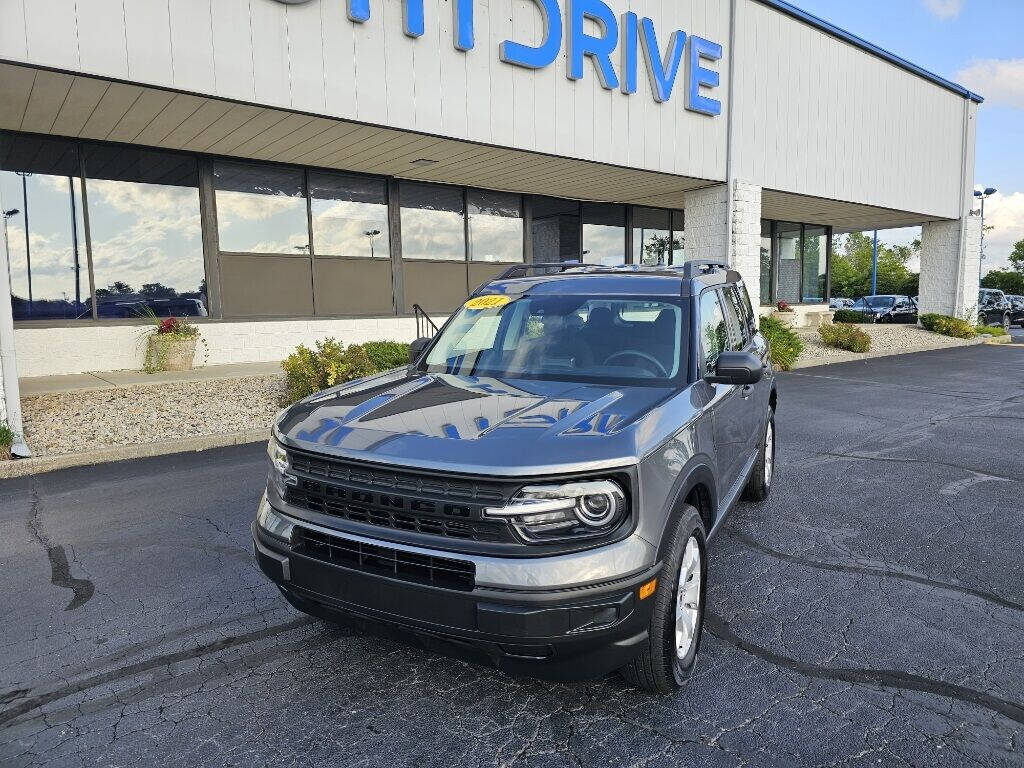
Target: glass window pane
766, 262
495, 226
815, 255
678, 255
555, 227
350, 215
714, 334
260, 209
788, 244
604, 234
147, 248
652, 236
432, 222
39, 185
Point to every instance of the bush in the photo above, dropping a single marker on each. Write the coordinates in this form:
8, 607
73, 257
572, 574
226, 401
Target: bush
992, 330
784, 345
386, 355
845, 336
848, 316
945, 325
6, 440
327, 365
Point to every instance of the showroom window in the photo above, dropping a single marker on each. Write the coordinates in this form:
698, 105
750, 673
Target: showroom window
261, 209
795, 260
146, 233
350, 215
495, 226
41, 205
787, 257
555, 229
604, 233
657, 236
766, 262
815, 265
433, 227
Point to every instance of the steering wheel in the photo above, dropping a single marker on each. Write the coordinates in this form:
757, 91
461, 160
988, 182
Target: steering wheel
660, 369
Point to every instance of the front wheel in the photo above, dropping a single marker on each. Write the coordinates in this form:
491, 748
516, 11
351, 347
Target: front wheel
677, 618
759, 486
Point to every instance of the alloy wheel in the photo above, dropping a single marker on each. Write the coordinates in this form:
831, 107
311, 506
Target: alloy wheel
769, 454
688, 598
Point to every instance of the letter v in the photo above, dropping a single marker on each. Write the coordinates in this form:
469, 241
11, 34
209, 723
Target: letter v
661, 72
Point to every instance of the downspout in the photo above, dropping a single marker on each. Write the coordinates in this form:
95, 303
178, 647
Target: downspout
730, 182
958, 308
8, 361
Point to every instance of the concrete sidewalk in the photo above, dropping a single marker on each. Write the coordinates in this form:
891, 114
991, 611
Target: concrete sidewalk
43, 385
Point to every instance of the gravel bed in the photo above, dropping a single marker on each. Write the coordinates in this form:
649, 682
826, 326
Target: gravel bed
885, 340
73, 422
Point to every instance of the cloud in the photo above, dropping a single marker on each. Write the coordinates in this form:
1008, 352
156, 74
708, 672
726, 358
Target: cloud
1005, 213
1000, 81
944, 9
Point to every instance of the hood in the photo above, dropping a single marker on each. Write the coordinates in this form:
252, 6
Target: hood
473, 425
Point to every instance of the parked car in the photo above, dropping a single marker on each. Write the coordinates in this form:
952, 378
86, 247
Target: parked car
993, 308
886, 309
839, 303
538, 489
1016, 310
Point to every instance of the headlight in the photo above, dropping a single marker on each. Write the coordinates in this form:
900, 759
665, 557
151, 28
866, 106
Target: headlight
569, 510
278, 456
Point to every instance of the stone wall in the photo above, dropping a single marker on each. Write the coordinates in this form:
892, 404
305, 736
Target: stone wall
943, 271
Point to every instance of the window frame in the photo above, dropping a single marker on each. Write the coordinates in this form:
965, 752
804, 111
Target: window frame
702, 368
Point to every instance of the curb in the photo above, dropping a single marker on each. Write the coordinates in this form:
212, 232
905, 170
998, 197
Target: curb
38, 465
822, 361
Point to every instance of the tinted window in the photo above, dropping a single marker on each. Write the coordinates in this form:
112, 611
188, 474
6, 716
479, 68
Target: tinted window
495, 226
714, 333
261, 209
432, 222
556, 229
350, 215
652, 236
147, 248
604, 234
739, 321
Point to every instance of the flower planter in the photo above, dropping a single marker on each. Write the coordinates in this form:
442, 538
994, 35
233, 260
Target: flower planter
169, 352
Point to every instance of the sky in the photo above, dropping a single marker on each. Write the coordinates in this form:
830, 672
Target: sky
979, 44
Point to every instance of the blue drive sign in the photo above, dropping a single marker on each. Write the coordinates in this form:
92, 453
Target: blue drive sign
634, 37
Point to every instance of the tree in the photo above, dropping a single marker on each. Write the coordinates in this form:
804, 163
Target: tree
116, 288
1005, 280
1017, 257
158, 291
851, 266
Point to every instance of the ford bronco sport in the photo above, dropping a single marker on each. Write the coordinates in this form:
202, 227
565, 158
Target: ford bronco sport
537, 489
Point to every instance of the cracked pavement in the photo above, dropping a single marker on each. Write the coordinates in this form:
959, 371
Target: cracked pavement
871, 613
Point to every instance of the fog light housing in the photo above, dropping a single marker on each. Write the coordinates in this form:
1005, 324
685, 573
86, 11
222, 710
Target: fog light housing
273, 524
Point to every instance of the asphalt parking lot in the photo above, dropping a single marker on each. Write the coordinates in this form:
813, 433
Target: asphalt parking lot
872, 613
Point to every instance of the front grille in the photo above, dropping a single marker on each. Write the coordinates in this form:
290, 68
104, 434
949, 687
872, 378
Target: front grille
386, 561
404, 501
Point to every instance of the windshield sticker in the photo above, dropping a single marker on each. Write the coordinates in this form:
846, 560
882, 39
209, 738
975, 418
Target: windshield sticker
488, 302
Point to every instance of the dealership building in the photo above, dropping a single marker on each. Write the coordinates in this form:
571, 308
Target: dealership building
286, 170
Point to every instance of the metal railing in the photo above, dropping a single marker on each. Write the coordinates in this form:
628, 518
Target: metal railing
424, 325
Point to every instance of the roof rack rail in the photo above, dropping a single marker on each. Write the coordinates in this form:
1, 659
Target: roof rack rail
522, 270
701, 266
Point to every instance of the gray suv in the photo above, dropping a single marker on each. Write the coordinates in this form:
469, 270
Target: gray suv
537, 489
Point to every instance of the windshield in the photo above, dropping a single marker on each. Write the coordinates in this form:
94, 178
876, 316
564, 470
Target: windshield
613, 340
877, 302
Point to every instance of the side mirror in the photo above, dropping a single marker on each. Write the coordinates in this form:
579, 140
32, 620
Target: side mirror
416, 349
737, 368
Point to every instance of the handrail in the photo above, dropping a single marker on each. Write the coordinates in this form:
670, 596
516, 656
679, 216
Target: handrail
423, 322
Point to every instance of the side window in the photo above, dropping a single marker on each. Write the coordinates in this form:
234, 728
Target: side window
738, 321
714, 335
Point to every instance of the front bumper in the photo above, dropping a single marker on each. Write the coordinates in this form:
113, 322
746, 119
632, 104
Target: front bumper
559, 634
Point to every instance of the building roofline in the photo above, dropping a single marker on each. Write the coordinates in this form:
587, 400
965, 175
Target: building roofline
815, 21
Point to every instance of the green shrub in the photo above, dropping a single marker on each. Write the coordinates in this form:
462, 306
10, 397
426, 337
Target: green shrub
6, 436
783, 344
992, 330
945, 325
386, 355
327, 365
845, 336
849, 316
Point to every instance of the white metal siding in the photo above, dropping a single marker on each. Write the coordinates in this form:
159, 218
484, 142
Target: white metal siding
817, 116
313, 59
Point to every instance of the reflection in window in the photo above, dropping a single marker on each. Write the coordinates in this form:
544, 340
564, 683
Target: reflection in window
789, 264
652, 236
555, 228
350, 215
678, 238
814, 269
39, 185
144, 223
714, 333
604, 234
766, 262
261, 209
495, 226
432, 222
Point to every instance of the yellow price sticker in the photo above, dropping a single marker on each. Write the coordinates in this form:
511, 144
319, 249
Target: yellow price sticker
488, 302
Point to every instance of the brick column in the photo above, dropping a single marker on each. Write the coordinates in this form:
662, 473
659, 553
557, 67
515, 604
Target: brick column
707, 230
949, 283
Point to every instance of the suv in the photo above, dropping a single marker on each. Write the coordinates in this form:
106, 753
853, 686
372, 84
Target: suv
993, 308
536, 490
1016, 310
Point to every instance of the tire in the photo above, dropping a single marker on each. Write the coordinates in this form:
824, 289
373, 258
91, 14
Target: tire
659, 668
759, 486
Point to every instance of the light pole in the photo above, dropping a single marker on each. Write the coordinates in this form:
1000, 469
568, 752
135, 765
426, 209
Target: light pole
983, 196
28, 247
